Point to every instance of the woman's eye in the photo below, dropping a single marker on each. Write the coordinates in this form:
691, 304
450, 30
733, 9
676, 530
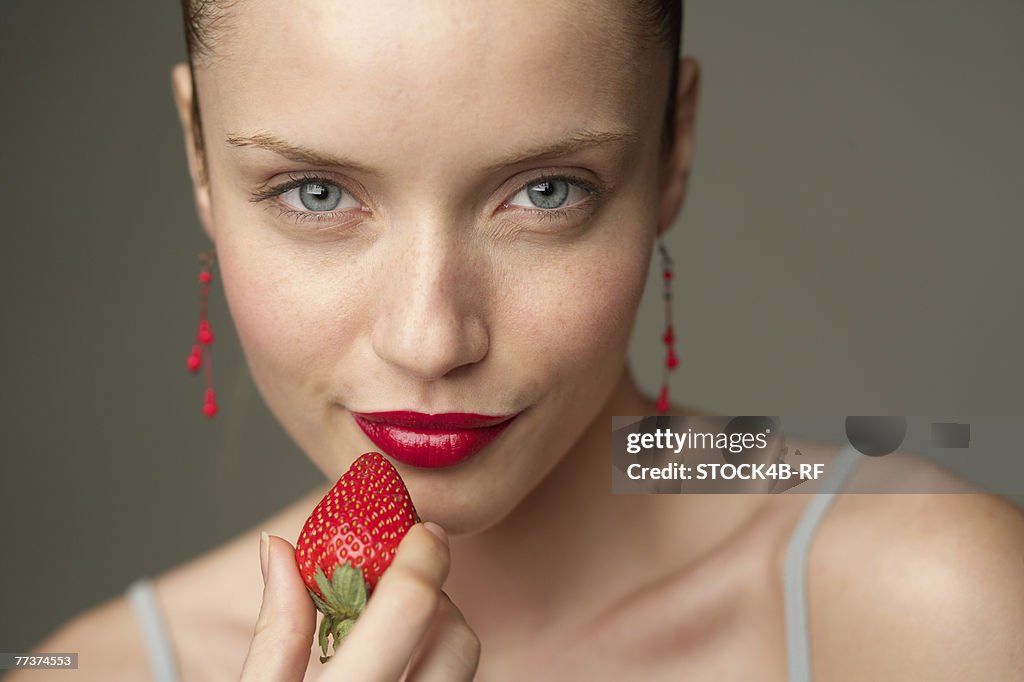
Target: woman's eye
550, 194
318, 197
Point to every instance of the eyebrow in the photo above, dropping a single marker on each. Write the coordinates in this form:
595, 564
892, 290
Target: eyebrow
582, 139
294, 152
578, 141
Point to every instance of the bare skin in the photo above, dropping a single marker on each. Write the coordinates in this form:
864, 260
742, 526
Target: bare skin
709, 607
549, 573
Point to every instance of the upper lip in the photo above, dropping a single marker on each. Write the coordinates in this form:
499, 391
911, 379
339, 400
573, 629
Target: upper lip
446, 421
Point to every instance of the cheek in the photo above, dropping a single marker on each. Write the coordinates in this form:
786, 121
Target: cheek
285, 323
579, 312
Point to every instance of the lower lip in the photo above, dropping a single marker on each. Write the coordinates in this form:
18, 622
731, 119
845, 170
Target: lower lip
428, 448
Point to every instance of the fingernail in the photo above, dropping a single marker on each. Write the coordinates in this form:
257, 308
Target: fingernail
264, 554
436, 530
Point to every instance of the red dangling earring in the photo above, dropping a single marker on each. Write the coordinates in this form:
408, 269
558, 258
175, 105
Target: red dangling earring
200, 354
669, 337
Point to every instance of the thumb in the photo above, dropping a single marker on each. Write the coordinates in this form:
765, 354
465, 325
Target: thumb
283, 636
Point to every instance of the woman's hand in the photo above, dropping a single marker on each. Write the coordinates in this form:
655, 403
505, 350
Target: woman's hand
409, 631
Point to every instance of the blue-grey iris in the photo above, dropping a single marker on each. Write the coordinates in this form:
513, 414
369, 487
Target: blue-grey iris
319, 197
549, 193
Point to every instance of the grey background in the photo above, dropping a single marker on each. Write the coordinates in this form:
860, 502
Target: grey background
851, 245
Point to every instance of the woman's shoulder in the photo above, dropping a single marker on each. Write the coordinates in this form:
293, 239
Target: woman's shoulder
108, 642
925, 582
207, 606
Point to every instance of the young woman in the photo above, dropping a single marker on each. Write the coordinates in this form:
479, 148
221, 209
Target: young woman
451, 207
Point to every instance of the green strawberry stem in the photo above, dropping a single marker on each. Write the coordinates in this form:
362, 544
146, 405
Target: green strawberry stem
344, 598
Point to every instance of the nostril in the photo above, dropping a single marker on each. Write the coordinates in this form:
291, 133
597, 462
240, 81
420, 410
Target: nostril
429, 322
431, 345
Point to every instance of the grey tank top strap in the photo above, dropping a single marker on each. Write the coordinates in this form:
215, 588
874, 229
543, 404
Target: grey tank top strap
165, 669
154, 630
797, 633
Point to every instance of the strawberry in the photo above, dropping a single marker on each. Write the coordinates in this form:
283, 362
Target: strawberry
349, 541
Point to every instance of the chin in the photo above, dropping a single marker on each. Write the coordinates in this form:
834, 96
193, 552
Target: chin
474, 518
464, 505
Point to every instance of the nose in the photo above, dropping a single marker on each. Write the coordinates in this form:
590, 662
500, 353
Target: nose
431, 315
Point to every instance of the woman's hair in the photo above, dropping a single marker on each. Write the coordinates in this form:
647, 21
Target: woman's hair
658, 20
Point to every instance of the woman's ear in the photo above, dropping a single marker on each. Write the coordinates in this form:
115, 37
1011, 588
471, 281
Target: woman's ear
676, 169
181, 84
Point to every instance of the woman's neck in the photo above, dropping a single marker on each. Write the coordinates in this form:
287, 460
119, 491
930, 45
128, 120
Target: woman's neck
571, 545
564, 548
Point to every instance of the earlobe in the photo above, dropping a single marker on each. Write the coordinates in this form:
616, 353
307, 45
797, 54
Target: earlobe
677, 167
181, 86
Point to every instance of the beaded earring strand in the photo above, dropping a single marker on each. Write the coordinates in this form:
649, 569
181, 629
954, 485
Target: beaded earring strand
669, 338
200, 355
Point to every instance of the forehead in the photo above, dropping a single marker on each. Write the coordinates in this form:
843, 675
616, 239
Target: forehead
429, 74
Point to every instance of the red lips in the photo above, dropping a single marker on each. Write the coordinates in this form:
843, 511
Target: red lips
431, 441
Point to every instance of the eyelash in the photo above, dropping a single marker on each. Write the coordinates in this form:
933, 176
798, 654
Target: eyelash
296, 180
596, 193
545, 215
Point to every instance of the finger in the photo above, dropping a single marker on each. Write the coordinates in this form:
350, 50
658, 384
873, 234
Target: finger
450, 651
399, 612
280, 647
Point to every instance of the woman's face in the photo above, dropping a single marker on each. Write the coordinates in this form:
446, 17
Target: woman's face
476, 233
